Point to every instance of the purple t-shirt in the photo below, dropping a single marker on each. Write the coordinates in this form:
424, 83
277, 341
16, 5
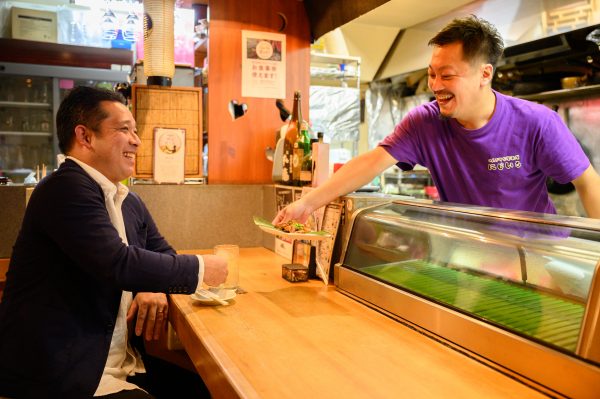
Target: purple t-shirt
503, 165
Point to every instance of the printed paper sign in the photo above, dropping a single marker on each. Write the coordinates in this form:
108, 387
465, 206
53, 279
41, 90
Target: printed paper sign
263, 64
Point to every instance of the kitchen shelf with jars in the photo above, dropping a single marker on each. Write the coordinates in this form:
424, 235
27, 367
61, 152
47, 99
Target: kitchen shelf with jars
29, 99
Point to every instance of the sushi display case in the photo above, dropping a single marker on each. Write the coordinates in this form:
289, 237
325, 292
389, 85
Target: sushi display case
518, 291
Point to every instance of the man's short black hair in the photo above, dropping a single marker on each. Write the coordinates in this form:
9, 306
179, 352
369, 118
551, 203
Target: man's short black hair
479, 38
82, 107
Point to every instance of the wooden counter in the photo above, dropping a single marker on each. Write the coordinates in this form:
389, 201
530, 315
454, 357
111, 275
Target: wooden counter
3, 269
306, 340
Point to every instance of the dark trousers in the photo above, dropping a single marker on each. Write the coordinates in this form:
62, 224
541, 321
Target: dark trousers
163, 380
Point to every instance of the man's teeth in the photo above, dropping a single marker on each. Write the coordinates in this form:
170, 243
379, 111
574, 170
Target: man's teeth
444, 96
129, 155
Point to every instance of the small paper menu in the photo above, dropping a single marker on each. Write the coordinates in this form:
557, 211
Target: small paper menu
169, 155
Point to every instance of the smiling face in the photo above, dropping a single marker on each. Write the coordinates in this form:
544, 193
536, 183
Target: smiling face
461, 88
113, 146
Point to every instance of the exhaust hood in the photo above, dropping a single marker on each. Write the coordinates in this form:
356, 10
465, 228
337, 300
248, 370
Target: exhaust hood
536, 49
540, 65
532, 30
582, 41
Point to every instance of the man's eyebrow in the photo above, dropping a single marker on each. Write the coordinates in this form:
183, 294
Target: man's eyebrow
125, 122
442, 67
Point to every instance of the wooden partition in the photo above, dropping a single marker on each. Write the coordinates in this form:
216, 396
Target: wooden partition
236, 149
168, 107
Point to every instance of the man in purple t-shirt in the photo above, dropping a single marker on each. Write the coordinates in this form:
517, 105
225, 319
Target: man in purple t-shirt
503, 163
481, 147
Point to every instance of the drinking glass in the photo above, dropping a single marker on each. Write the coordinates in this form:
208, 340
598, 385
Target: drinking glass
231, 253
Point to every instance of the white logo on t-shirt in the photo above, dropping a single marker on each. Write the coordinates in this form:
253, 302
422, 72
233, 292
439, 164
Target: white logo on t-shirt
504, 163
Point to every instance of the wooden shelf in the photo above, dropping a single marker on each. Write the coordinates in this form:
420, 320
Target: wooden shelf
30, 52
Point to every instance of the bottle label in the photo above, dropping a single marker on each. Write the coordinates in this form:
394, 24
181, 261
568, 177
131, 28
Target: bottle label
298, 155
305, 176
286, 170
297, 164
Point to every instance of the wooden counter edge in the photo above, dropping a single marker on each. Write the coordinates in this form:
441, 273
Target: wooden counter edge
222, 378
3, 269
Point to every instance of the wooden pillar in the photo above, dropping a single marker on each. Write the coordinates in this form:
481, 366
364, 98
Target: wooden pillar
236, 148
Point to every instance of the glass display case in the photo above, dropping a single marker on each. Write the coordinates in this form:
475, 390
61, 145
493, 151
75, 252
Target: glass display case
517, 290
29, 99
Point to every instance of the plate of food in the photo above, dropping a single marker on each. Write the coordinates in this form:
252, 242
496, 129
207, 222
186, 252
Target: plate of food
292, 229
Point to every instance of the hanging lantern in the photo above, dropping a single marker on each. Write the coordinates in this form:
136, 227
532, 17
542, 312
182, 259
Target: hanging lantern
159, 63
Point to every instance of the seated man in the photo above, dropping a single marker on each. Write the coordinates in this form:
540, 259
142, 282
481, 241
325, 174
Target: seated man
89, 258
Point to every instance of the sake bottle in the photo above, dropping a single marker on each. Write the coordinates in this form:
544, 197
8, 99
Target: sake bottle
291, 137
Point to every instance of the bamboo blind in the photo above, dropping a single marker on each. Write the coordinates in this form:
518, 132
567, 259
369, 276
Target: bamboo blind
168, 107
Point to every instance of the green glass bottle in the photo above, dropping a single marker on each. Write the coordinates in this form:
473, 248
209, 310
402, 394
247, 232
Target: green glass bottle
305, 177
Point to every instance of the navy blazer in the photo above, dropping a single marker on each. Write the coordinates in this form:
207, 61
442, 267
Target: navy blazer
64, 283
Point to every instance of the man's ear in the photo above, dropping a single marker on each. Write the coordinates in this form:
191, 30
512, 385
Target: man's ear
83, 136
487, 74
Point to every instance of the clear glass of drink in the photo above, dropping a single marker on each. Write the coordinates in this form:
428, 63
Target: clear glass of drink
231, 253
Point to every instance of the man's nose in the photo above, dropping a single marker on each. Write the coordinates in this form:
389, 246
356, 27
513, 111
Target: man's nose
135, 139
435, 84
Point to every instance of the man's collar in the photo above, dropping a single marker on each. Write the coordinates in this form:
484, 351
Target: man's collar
107, 186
